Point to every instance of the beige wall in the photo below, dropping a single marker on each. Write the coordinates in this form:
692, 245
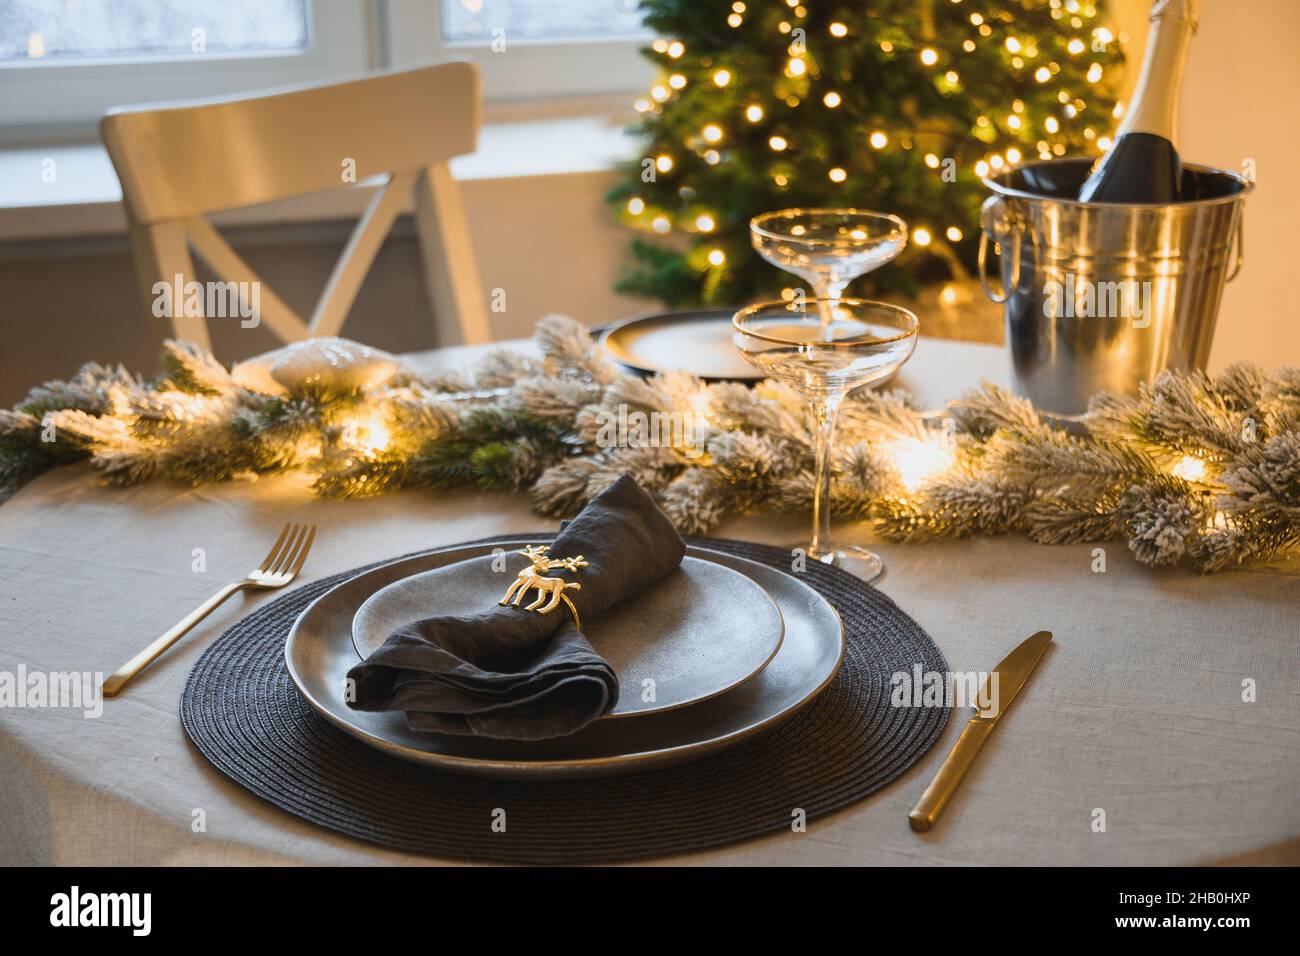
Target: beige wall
1239, 102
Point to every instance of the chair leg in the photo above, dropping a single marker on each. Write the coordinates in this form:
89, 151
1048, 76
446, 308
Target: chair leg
162, 253
455, 289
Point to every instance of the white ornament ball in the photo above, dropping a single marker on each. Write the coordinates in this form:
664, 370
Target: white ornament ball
330, 363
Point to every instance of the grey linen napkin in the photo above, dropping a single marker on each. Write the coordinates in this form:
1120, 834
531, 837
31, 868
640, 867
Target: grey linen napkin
518, 675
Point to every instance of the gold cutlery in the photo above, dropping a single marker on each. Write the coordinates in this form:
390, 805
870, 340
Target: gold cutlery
281, 566
999, 690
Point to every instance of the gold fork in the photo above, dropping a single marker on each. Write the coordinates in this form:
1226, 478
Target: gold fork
281, 566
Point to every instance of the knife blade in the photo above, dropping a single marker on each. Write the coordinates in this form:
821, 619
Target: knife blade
996, 694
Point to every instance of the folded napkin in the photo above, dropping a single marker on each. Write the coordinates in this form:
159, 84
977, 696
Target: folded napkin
519, 675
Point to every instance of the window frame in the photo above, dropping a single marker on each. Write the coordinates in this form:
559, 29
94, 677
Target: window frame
68, 97
548, 69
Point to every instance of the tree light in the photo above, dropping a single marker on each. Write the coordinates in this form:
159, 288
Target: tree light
954, 234
712, 133
636, 205
721, 77
664, 163
831, 99
796, 66
838, 29
932, 160
717, 257
754, 113
921, 236
837, 175
677, 81
661, 224
878, 139
676, 49
704, 223
929, 57
1042, 74
778, 143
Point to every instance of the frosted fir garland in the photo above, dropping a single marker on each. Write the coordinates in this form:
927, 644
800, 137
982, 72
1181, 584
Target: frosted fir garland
1199, 470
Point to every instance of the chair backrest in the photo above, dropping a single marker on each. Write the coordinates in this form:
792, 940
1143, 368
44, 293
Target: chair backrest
180, 162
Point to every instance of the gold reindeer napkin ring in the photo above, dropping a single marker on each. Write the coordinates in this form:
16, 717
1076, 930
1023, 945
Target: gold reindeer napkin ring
550, 591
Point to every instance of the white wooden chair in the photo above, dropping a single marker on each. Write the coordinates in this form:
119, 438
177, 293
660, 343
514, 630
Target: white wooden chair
180, 162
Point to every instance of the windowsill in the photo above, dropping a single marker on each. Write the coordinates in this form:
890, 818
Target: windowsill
85, 199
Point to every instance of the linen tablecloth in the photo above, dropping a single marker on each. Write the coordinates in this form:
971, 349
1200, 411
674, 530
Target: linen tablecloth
1137, 710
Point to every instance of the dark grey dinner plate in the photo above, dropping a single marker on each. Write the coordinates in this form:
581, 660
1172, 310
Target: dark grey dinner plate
689, 340
675, 643
319, 653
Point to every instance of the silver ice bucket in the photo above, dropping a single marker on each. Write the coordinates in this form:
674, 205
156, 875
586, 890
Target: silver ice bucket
1104, 296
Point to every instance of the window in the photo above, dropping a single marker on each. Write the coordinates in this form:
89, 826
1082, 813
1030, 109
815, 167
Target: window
527, 49
64, 62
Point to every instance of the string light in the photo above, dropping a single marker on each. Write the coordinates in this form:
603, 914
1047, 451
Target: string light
1094, 73
838, 29
676, 49
796, 66
837, 175
717, 257
932, 160
878, 140
831, 99
921, 236
1074, 47
754, 113
929, 57
712, 133
659, 93
1190, 468
1042, 74
721, 78
636, 205
705, 223
660, 224
954, 235
677, 81
734, 20
664, 163
777, 143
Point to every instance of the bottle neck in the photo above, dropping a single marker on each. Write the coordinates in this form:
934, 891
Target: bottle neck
1155, 100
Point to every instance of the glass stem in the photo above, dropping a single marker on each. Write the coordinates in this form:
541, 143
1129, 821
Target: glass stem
827, 291
823, 411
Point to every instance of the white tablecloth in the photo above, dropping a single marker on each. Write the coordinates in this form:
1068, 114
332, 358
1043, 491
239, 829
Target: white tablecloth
1137, 709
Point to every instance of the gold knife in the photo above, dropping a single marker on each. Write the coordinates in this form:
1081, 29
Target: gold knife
999, 690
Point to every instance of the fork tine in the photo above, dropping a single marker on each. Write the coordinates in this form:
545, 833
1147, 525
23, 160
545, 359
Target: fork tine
290, 548
302, 552
276, 549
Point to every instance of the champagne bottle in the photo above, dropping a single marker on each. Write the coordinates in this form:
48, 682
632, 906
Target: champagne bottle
1143, 165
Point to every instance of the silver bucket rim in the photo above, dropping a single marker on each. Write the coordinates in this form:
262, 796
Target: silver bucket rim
1246, 187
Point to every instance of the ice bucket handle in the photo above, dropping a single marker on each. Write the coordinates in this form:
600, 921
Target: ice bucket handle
997, 224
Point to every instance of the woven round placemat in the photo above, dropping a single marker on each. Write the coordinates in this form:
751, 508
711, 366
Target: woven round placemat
244, 714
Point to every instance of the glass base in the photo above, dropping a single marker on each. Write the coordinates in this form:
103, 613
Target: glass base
859, 561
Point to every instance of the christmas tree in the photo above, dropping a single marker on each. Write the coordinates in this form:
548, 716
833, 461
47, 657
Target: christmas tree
895, 105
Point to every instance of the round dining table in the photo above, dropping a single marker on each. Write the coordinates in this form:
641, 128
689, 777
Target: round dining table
1161, 727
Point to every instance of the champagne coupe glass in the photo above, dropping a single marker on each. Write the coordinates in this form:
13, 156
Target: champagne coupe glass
863, 342
827, 248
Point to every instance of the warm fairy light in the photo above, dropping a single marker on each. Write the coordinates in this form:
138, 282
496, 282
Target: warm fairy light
660, 45
677, 81
1013, 155
1190, 468
717, 257
954, 235
1013, 45
370, 434
1051, 125
976, 19
659, 93
1094, 73
636, 205
838, 29
996, 161
642, 105
921, 236
949, 294
704, 223
1103, 35
929, 57
932, 160
781, 180
721, 77
661, 224
712, 133
981, 168
1103, 142
738, 6
754, 113
1075, 46
878, 140
1042, 74
953, 77
778, 143
734, 20
796, 66
832, 99
676, 49
918, 460
712, 157
837, 174
664, 163
968, 46
886, 46
1013, 121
